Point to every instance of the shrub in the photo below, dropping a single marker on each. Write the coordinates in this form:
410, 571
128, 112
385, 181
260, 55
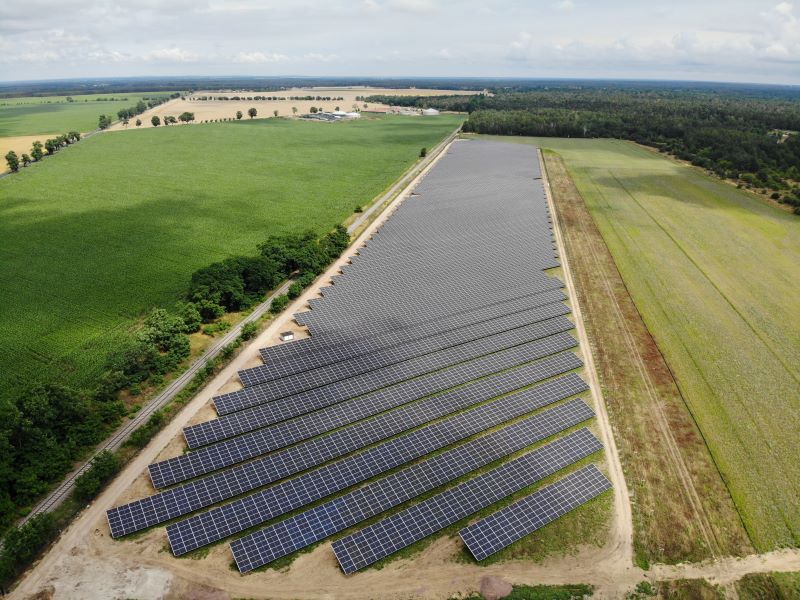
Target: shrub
295, 290
249, 330
22, 544
104, 466
279, 303
190, 314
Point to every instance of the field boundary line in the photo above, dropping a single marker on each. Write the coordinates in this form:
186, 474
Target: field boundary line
623, 546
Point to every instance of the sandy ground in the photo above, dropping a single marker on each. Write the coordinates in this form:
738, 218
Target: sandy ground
219, 109
87, 563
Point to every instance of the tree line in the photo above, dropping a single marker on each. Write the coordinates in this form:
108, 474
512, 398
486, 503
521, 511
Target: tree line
125, 114
38, 150
268, 98
748, 136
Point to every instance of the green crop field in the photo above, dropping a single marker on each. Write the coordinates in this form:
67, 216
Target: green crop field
114, 225
715, 274
54, 115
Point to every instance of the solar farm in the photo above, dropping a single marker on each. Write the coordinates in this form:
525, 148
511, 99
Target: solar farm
440, 380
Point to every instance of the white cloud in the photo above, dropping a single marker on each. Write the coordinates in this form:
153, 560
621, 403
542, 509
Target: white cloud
419, 7
172, 54
318, 57
259, 57
567, 5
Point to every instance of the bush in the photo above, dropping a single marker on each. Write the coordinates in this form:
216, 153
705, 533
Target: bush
21, 545
141, 436
104, 466
295, 290
279, 303
249, 330
191, 316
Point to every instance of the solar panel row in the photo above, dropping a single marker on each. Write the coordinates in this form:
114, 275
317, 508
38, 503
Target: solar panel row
417, 522
324, 355
375, 402
533, 512
319, 522
204, 492
367, 382
336, 371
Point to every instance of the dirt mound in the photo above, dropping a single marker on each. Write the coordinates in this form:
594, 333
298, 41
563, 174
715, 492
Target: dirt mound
494, 588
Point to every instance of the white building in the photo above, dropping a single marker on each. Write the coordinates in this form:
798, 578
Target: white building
430, 112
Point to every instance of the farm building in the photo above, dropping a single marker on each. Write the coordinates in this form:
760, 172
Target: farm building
430, 112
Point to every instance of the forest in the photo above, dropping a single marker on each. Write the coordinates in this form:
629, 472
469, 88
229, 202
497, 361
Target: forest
745, 134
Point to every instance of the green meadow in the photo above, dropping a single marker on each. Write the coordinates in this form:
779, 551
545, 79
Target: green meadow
715, 274
110, 227
54, 115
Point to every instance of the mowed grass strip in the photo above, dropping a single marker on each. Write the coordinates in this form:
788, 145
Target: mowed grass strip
54, 115
714, 273
97, 235
682, 510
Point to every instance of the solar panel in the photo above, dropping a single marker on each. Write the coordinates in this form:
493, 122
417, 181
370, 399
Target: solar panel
336, 371
367, 382
319, 522
417, 522
533, 512
353, 409
239, 480
401, 339
315, 351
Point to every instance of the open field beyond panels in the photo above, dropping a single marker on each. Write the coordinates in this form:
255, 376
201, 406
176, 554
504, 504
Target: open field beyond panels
54, 115
714, 273
105, 230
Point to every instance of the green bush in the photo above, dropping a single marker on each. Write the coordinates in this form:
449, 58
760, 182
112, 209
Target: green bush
104, 466
279, 303
249, 330
295, 290
21, 545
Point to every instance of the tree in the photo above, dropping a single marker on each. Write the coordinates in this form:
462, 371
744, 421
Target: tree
26, 160
104, 122
337, 109
51, 146
252, 112
125, 122
186, 117
138, 122
36, 151
239, 114
74, 136
423, 153
294, 110
13, 161
155, 121
313, 110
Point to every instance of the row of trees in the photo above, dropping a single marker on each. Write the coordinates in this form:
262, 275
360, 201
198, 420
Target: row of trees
50, 146
737, 134
125, 114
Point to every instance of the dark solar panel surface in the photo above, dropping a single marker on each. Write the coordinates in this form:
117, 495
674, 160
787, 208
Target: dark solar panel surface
533, 512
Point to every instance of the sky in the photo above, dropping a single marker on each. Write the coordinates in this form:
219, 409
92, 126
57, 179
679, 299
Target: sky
706, 40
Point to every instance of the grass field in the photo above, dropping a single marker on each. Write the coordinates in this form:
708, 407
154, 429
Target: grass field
54, 115
714, 273
681, 509
114, 225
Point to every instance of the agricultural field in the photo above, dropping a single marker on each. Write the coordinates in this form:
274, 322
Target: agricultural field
99, 234
713, 272
54, 115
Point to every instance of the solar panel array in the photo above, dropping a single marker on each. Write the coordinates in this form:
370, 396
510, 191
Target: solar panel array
441, 352
533, 512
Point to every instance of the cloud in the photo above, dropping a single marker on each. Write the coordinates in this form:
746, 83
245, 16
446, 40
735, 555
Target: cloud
419, 7
317, 57
172, 54
259, 57
566, 5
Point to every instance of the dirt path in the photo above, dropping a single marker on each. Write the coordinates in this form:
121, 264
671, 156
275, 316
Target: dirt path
621, 542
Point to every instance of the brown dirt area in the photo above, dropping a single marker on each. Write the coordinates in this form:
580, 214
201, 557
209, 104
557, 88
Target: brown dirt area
682, 509
206, 110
